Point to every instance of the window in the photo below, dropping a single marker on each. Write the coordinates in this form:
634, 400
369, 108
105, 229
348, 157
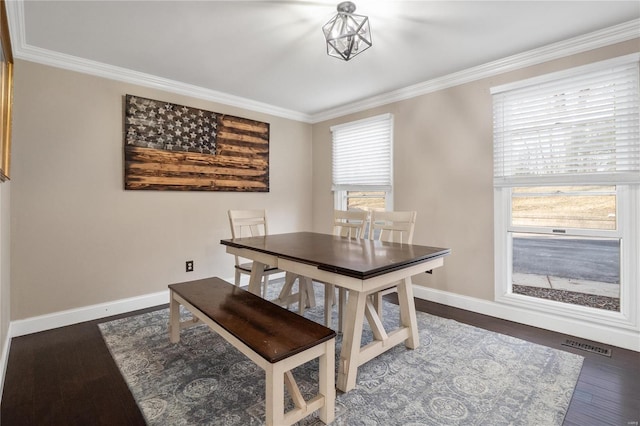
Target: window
362, 164
566, 178
566, 244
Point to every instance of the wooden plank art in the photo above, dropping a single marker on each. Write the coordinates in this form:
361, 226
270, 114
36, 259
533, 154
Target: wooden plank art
174, 147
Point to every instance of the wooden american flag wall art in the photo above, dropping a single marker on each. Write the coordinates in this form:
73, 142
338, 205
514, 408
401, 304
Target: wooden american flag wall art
174, 147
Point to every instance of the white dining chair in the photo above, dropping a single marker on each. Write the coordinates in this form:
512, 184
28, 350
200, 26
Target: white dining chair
393, 227
250, 223
347, 224
253, 223
350, 223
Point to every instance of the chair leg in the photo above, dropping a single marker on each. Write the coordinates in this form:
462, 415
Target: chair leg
330, 300
342, 304
302, 295
329, 297
311, 295
378, 303
265, 284
237, 278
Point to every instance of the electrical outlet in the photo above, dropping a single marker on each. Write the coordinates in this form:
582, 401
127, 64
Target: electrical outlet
189, 265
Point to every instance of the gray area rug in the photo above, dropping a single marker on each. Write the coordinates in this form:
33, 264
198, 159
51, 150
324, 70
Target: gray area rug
459, 375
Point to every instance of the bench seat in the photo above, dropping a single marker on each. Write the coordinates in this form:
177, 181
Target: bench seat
274, 338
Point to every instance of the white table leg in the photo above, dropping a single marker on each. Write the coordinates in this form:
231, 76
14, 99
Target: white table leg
408, 312
255, 281
349, 354
285, 293
310, 299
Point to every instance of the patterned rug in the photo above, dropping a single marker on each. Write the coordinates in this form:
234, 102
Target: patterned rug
459, 375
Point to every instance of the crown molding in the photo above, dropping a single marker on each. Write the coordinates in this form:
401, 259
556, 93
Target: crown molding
21, 50
73, 63
608, 36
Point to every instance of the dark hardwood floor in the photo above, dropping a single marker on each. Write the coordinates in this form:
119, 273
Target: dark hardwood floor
66, 377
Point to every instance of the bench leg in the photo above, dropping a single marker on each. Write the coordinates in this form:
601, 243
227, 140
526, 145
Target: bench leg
279, 378
326, 381
274, 395
174, 319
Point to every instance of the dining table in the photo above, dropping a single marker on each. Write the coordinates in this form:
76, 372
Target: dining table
362, 267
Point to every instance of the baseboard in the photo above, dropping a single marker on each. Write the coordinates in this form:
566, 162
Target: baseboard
4, 360
87, 313
626, 339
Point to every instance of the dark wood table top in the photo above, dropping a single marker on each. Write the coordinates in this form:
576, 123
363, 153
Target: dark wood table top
360, 259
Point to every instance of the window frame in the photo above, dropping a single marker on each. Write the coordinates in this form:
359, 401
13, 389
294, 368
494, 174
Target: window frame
627, 230
628, 208
341, 191
341, 199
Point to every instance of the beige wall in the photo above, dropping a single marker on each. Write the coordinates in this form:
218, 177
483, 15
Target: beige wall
443, 168
78, 238
5, 278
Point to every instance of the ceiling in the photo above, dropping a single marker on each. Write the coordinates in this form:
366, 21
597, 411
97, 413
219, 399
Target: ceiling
273, 52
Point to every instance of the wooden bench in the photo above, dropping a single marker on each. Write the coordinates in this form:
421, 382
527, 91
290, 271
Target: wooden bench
274, 338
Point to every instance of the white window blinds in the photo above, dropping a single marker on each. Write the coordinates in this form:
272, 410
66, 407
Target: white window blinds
362, 154
578, 126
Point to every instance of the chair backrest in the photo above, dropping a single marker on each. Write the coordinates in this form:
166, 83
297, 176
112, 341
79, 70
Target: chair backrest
393, 227
350, 223
247, 223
